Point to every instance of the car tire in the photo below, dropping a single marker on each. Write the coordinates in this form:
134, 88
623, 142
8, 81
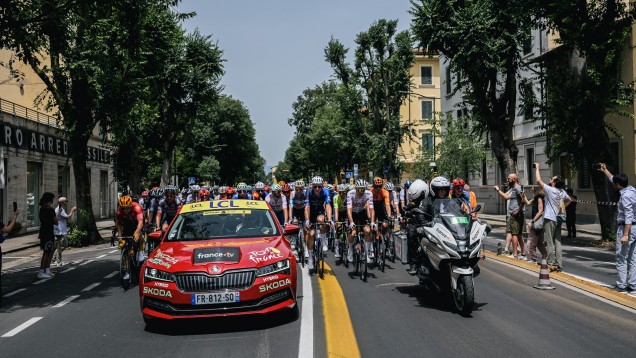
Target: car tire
291, 315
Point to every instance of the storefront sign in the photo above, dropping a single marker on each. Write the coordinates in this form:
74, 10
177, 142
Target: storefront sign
23, 138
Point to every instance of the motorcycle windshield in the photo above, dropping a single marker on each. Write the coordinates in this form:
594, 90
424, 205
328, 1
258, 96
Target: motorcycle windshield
449, 211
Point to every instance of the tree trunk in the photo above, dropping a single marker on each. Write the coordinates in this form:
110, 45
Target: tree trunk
77, 146
134, 165
166, 155
502, 151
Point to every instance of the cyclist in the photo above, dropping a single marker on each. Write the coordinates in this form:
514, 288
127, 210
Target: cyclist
297, 209
403, 197
193, 197
184, 194
359, 202
241, 192
259, 191
287, 193
418, 196
130, 222
222, 193
156, 195
381, 205
340, 210
167, 209
278, 203
393, 198
317, 208
204, 194
145, 203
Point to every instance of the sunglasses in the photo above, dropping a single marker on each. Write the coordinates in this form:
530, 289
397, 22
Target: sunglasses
242, 191
317, 186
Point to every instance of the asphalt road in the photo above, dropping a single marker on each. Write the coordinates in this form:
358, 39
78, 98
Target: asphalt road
390, 314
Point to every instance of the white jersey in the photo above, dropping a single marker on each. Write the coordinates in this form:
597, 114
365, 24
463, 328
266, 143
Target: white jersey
358, 204
402, 195
277, 204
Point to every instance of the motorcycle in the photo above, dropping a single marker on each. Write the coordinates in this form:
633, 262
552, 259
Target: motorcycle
449, 251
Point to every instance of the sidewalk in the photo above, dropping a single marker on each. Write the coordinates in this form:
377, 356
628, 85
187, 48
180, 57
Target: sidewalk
13, 244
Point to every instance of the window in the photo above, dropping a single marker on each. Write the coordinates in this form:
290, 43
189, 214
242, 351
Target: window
529, 163
34, 188
427, 142
460, 113
427, 109
529, 100
426, 75
449, 86
585, 174
484, 172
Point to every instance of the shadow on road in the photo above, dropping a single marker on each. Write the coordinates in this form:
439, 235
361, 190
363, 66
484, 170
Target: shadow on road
428, 298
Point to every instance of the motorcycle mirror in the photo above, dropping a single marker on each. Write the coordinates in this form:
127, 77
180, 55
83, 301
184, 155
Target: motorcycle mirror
477, 208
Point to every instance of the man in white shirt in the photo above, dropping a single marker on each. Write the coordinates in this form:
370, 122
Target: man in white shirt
61, 229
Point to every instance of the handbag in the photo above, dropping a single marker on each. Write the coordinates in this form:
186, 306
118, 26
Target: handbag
538, 225
1, 238
562, 216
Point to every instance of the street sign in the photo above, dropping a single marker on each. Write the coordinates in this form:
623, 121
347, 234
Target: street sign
355, 172
192, 180
385, 170
349, 175
370, 175
355, 167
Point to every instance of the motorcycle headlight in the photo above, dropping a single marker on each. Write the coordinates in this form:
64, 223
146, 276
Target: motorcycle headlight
152, 274
280, 266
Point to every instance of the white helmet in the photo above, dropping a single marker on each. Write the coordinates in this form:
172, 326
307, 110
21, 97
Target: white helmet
316, 181
418, 190
439, 183
259, 186
389, 186
361, 184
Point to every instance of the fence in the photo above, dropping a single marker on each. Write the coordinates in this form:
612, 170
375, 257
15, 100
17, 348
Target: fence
24, 112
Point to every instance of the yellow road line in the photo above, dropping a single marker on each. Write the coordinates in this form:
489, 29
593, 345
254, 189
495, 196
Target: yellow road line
341, 339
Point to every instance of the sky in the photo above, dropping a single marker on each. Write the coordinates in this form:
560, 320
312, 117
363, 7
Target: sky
274, 50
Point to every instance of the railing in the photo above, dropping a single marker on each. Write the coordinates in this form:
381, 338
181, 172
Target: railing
27, 113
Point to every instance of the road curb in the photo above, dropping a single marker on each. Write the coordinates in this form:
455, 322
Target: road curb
587, 286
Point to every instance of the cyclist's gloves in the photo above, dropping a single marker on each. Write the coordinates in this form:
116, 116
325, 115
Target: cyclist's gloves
352, 225
307, 223
374, 225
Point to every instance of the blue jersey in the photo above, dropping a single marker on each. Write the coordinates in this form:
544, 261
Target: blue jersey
249, 196
317, 203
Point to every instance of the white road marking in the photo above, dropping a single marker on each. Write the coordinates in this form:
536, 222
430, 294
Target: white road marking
16, 257
91, 286
21, 327
87, 262
67, 300
69, 269
100, 256
576, 289
583, 257
306, 344
14, 292
590, 280
112, 252
112, 274
42, 280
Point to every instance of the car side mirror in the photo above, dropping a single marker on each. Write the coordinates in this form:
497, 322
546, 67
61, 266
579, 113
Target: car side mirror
290, 229
155, 235
477, 208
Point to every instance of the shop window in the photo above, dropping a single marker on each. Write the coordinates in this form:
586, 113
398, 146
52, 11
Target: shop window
33, 194
63, 180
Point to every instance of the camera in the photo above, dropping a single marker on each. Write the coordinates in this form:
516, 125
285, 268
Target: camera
534, 166
596, 166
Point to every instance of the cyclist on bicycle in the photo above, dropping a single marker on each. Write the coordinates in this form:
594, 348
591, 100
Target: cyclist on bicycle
242, 192
222, 193
403, 197
381, 204
359, 202
287, 194
168, 208
340, 210
297, 209
278, 202
393, 198
156, 195
130, 222
317, 208
259, 191
204, 194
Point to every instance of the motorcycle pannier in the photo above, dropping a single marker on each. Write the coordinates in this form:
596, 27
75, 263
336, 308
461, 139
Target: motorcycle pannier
401, 246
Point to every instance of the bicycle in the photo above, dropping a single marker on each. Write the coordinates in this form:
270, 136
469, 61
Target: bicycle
341, 236
360, 254
128, 263
300, 244
385, 246
319, 254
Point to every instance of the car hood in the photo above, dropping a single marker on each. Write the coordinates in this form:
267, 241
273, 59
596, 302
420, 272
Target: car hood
224, 254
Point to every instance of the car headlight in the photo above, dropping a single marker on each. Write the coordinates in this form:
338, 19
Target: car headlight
273, 268
152, 274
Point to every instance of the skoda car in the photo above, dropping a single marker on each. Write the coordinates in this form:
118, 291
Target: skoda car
220, 258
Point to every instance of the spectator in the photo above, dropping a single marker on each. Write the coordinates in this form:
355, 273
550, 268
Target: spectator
514, 223
61, 229
48, 219
535, 236
625, 232
570, 210
471, 195
555, 197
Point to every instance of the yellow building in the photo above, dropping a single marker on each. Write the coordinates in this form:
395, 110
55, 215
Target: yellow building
419, 110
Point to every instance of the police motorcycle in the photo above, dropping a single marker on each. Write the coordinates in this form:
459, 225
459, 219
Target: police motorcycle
449, 250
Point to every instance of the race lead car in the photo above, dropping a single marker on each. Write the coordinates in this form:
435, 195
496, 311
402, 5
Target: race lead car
220, 258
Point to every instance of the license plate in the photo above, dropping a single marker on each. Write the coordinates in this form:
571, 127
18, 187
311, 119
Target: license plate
215, 298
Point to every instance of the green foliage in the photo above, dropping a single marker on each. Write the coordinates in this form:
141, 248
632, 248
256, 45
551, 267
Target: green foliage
77, 237
208, 169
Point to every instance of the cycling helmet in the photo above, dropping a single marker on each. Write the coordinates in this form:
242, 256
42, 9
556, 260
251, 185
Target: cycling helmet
361, 184
125, 201
300, 183
369, 186
286, 188
389, 186
418, 190
276, 188
458, 182
316, 180
259, 186
329, 187
159, 193
222, 189
407, 184
144, 193
216, 187
267, 187
439, 183
230, 191
377, 181
241, 186
342, 187
250, 188
135, 198
204, 192
170, 189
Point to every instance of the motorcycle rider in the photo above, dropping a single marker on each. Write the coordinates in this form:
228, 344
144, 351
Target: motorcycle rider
418, 197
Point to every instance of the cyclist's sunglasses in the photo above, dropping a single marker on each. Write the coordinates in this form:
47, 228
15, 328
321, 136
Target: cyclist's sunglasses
317, 186
242, 191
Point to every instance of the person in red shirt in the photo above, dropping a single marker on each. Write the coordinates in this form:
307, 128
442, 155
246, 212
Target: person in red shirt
130, 220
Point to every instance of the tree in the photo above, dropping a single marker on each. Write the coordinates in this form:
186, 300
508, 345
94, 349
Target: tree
481, 41
583, 87
209, 168
83, 52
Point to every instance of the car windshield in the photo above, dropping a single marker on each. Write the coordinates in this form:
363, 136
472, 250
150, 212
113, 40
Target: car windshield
222, 224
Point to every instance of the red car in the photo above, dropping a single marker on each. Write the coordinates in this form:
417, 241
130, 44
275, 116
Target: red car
220, 258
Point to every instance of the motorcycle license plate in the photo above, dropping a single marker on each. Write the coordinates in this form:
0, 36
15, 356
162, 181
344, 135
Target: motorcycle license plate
215, 298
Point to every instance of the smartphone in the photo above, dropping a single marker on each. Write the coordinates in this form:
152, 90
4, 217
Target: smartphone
521, 187
15, 206
534, 166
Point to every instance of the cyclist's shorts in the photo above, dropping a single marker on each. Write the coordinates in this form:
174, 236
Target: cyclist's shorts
313, 216
298, 214
380, 214
360, 218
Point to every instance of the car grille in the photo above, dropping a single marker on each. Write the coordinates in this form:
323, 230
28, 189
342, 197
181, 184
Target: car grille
200, 282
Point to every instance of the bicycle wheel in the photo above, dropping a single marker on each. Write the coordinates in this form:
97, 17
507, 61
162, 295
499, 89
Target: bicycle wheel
300, 248
125, 274
383, 249
322, 263
365, 266
391, 247
356, 257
